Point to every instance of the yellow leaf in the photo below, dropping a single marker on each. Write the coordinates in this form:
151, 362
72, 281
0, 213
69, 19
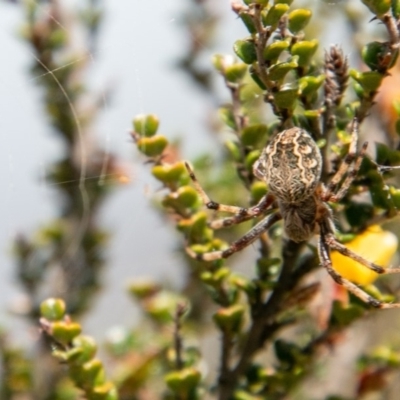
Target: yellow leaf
375, 245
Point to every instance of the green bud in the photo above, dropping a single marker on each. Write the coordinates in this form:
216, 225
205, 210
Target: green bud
195, 227
396, 8
169, 173
52, 309
161, 307
274, 14
251, 158
230, 319
253, 134
257, 79
278, 71
248, 22
395, 195
378, 7
86, 347
187, 196
245, 50
379, 56
244, 284
106, 391
88, 375
215, 278
234, 150
258, 190
152, 146
236, 72
143, 288
298, 20
305, 51
146, 124
222, 61
310, 84
183, 381
64, 332
312, 115
369, 81
286, 98
274, 50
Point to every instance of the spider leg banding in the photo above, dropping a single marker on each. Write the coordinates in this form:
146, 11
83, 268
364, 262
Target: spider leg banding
291, 166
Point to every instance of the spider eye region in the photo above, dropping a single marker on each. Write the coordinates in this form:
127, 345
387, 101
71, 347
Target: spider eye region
291, 165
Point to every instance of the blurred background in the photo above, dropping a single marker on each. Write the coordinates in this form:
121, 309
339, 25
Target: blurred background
138, 63
134, 68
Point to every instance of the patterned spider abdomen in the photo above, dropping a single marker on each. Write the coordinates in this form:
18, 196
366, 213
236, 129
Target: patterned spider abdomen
291, 165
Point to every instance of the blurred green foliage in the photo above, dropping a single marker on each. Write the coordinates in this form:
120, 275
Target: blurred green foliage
271, 333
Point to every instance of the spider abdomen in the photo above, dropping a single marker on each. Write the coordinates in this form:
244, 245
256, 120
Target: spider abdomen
291, 165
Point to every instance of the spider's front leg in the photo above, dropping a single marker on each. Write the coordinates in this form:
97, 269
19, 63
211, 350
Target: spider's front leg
239, 244
241, 214
350, 166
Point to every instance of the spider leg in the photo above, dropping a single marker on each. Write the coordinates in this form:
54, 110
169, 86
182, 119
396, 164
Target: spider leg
324, 254
335, 245
239, 244
252, 212
348, 161
241, 212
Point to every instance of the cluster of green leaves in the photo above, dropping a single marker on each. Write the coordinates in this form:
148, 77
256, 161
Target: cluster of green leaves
77, 351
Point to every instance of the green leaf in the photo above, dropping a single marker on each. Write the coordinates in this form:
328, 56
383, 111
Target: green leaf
379, 56
253, 134
64, 331
236, 72
278, 71
248, 22
230, 319
274, 50
53, 309
183, 381
369, 81
305, 50
378, 7
310, 84
274, 14
299, 19
183, 198
169, 173
245, 50
286, 98
152, 146
146, 124
257, 79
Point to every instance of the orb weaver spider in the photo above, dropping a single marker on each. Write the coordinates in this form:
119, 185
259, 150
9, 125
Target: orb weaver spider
291, 165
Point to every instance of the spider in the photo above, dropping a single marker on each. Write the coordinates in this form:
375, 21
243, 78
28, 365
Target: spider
290, 165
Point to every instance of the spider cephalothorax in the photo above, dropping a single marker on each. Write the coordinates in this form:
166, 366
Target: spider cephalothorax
291, 166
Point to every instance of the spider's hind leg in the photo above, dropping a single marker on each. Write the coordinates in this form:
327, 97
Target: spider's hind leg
324, 254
